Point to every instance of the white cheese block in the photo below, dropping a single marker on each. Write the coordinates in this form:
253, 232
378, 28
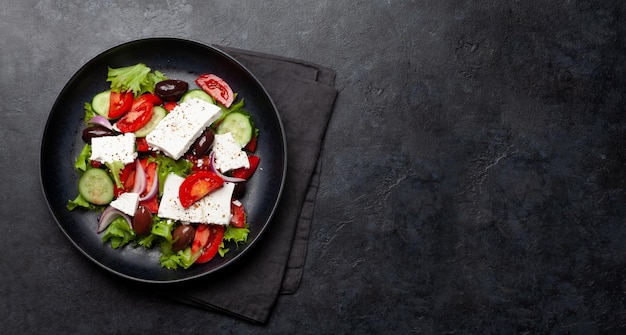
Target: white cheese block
126, 203
216, 205
228, 154
179, 129
107, 149
170, 206
213, 208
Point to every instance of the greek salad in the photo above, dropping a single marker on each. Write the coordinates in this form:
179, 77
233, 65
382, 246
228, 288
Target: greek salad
165, 164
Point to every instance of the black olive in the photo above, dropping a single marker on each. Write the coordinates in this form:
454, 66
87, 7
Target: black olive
182, 237
171, 89
95, 131
201, 146
142, 221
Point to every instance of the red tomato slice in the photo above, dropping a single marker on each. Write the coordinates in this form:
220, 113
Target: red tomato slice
119, 104
197, 185
152, 98
200, 239
247, 173
170, 105
217, 88
216, 234
238, 217
251, 146
138, 116
142, 144
151, 176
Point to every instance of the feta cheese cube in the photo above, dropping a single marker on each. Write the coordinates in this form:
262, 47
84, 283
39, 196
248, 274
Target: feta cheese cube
213, 208
180, 128
107, 149
228, 154
170, 206
126, 203
216, 205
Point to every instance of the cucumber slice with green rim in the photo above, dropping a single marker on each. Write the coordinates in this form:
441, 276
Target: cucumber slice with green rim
96, 186
239, 124
158, 113
100, 103
197, 93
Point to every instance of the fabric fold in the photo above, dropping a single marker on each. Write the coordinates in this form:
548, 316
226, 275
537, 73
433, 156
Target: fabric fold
304, 95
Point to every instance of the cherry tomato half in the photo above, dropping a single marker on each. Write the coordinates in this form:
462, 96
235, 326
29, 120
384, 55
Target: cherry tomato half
197, 185
217, 88
207, 240
120, 103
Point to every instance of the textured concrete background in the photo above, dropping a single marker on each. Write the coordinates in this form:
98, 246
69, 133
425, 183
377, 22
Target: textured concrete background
473, 171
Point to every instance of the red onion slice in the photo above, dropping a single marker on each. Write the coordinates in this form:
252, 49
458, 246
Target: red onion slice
101, 120
153, 190
140, 178
225, 177
110, 214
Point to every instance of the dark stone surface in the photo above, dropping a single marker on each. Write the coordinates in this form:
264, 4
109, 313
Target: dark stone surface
473, 172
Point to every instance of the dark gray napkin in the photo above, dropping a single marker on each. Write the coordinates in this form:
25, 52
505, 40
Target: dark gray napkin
304, 94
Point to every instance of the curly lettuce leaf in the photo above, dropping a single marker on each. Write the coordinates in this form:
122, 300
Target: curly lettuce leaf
89, 112
167, 165
137, 78
79, 201
116, 170
182, 258
82, 161
118, 233
233, 235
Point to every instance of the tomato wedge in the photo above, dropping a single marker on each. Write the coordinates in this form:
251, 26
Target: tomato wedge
170, 105
120, 103
217, 88
207, 240
247, 173
140, 113
251, 146
238, 217
197, 185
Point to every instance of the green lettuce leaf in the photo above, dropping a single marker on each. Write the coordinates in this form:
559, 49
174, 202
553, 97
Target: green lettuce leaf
79, 201
116, 169
167, 165
118, 233
137, 78
233, 235
182, 258
82, 161
89, 112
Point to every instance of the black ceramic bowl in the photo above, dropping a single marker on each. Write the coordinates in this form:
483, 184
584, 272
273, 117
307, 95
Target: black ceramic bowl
177, 59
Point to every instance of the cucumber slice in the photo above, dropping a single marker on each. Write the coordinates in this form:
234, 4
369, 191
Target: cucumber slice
158, 113
96, 186
100, 103
239, 124
197, 93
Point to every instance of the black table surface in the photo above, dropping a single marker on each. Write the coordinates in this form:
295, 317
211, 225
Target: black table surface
472, 178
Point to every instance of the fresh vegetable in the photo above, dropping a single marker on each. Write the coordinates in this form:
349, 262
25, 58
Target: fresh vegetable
238, 123
128, 196
96, 186
119, 104
136, 78
217, 88
158, 113
199, 94
139, 115
209, 249
197, 185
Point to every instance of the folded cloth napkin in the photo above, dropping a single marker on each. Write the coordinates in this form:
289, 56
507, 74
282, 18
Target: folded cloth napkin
304, 94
